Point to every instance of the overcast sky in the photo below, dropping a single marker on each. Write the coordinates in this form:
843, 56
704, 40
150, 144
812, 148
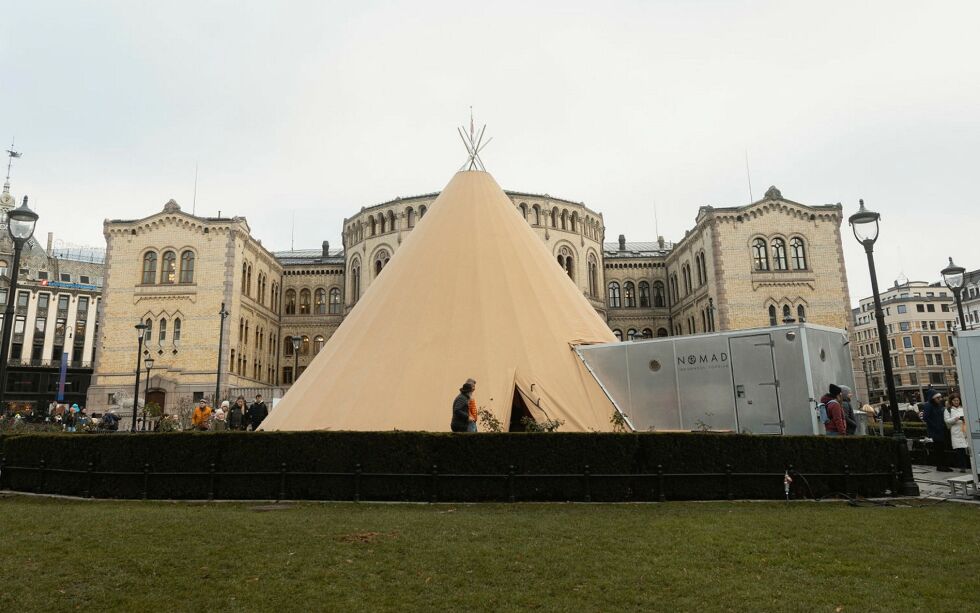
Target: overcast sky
314, 109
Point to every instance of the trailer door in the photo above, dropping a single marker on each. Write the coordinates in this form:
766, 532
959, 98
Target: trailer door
754, 378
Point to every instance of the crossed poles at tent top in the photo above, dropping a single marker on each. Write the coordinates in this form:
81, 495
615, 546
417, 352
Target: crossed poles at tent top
474, 145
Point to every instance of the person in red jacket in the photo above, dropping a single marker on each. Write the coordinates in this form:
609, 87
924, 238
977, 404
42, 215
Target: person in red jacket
837, 426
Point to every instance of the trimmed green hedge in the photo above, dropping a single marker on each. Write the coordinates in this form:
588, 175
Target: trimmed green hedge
403, 464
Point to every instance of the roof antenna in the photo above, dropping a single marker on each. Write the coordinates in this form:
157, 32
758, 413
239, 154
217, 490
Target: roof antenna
656, 223
474, 145
194, 204
748, 175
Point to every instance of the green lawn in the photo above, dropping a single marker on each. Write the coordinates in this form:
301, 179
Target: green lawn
102, 555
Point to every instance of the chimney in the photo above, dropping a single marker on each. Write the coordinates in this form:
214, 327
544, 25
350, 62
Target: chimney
660, 242
326, 249
622, 242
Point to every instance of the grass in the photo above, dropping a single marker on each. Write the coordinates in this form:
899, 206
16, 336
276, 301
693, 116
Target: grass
158, 556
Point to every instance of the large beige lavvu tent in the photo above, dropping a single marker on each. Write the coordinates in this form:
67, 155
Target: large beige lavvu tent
472, 292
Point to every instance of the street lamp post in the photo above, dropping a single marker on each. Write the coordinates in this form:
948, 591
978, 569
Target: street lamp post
864, 223
146, 392
295, 340
953, 278
223, 313
140, 330
20, 224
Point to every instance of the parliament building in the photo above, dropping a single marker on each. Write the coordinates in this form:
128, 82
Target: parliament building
738, 267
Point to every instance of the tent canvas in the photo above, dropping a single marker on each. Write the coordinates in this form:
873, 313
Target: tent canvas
472, 292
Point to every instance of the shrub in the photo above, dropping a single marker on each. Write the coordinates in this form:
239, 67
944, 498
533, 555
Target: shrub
417, 466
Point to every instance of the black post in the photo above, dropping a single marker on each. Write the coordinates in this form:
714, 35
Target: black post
8, 325
146, 394
909, 488
139, 369
295, 365
958, 292
221, 341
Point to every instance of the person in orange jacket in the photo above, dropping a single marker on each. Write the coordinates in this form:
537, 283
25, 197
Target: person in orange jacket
471, 426
202, 416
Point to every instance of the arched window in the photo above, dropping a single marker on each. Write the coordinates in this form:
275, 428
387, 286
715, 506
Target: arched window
381, 222
567, 262
564, 219
618, 334
704, 320
187, 267
318, 343
798, 253
760, 256
686, 273
661, 332
380, 261
320, 301
290, 302
574, 222
149, 267
355, 280
779, 254
162, 335
659, 299
391, 221
631, 334
647, 333
148, 333
644, 295
523, 208
629, 295
168, 274
593, 276
287, 346
422, 211
801, 313
244, 275
248, 281
554, 217
335, 301
410, 217
772, 315
787, 312
177, 331
614, 295
372, 226
537, 215
304, 346
304, 302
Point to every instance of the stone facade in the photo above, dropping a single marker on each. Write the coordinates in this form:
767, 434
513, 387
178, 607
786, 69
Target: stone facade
715, 278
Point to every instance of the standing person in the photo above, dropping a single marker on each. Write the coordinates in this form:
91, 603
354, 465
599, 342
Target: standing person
956, 422
845, 403
836, 426
932, 412
236, 414
471, 406
202, 415
218, 422
256, 412
69, 420
461, 409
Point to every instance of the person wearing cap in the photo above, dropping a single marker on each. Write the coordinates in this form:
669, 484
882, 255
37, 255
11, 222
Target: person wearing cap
256, 412
461, 409
836, 426
218, 422
202, 415
932, 413
471, 426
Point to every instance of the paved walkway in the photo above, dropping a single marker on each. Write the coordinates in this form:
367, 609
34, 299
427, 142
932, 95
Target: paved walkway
932, 483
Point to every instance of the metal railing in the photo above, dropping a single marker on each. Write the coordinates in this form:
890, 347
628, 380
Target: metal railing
655, 486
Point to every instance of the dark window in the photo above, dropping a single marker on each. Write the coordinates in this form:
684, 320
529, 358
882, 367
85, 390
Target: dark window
187, 267
614, 296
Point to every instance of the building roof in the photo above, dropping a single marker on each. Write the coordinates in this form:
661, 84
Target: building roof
637, 249
295, 257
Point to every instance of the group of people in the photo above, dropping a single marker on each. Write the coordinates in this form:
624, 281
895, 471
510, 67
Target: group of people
229, 416
836, 412
946, 426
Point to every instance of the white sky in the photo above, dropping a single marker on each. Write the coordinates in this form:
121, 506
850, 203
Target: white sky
315, 109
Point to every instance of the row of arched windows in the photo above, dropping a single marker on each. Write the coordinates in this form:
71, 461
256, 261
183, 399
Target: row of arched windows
787, 312
628, 297
561, 219
633, 335
304, 345
317, 302
162, 332
381, 223
169, 272
761, 250
262, 282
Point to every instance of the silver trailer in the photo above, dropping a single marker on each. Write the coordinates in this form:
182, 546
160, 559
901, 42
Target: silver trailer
761, 381
967, 345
